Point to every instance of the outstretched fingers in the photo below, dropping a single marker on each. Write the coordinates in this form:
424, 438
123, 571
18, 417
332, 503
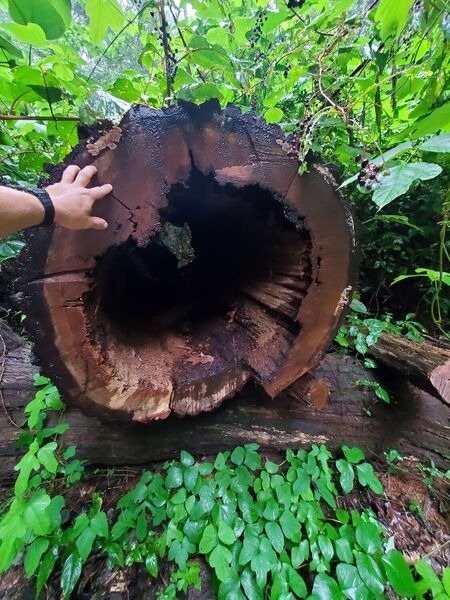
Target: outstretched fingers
70, 174
101, 191
85, 175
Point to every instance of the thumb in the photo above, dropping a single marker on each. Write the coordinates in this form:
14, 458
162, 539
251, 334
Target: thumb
97, 223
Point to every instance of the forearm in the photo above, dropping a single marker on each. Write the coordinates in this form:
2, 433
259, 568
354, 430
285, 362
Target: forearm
18, 210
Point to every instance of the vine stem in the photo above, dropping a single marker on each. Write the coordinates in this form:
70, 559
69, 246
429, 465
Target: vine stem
165, 43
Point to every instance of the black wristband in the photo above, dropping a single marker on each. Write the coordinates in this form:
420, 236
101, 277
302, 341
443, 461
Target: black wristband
46, 202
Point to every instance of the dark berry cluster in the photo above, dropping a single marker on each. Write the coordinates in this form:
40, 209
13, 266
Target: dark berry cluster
368, 173
257, 29
295, 3
171, 58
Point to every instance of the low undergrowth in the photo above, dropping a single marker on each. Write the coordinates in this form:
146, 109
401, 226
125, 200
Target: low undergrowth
266, 529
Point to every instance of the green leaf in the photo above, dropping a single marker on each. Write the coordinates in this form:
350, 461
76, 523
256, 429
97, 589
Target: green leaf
392, 17
446, 579
46, 456
370, 573
438, 120
28, 34
35, 513
11, 49
297, 583
299, 554
191, 477
368, 537
46, 567
326, 588
271, 467
357, 306
353, 455
186, 459
238, 455
220, 559
225, 533
344, 550
174, 477
53, 16
99, 524
366, 476
217, 35
400, 179
275, 536
347, 475
437, 143
398, 573
326, 547
70, 575
84, 543
151, 564
249, 585
351, 583
103, 15
273, 115
290, 526
34, 554
250, 547
208, 540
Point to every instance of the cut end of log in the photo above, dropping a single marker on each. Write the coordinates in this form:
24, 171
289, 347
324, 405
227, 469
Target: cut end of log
221, 264
310, 390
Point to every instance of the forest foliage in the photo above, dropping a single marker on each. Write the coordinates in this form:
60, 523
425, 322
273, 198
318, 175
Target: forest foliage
363, 84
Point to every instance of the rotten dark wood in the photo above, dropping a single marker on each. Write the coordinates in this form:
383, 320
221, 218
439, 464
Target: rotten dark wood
125, 331
312, 391
426, 364
417, 424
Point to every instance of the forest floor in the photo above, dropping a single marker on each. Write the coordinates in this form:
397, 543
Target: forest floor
417, 515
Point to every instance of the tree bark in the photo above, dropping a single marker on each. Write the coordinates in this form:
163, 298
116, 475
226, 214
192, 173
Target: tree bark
416, 424
425, 364
221, 265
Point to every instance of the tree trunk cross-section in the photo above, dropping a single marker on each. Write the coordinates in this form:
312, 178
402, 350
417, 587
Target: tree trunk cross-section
221, 264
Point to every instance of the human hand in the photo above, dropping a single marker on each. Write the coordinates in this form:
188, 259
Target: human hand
73, 201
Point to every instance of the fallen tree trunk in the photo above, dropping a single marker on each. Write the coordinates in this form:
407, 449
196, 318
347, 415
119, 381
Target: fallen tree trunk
417, 424
221, 264
426, 364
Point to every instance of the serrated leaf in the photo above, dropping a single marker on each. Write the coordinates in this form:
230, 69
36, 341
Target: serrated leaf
400, 179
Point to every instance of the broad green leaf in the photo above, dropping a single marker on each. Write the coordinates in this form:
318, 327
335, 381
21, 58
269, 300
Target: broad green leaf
400, 179
186, 459
35, 513
446, 579
430, 579
368, 537
299, 554
249, 585
225, 533
250, 547
438, 120
70, 575
174, 477
357, 306
10, 248
46, 456
290, 526
398, 573
34, 554
326, 588
220, 559
353, 455
437, 143
46, 567
99, 524
238, 455
392, 17
347, 475
84, 543
209, 539
344, 550
370, 573
190, 477
273, 115
398, 219
326, 547
218, 35
151, 564
28, 34
9, 47
297, 583
366, 476
53, 16
103, 15
351, 583
275, 536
